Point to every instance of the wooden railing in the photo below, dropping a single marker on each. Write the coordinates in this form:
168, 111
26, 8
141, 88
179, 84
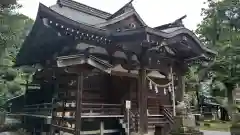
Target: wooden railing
103, 109
168, 115
87, 108
43, 109
134, 119
166, 111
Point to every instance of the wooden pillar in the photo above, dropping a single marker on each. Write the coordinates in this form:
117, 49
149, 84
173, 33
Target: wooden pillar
142, 101
79, 104
24, 102
181, 87
102, 128
173, 93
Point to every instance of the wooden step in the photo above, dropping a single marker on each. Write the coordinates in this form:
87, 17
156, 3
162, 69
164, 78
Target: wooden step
156, 120
64, 129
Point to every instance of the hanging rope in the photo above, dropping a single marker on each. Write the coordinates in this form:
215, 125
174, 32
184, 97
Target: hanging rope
165, 87
169, 86
158, 85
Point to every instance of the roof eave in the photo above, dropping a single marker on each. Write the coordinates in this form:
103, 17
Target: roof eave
122, 17
47, 12
84, 8
183, 30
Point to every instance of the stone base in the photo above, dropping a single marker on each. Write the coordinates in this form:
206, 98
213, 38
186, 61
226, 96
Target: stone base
185, 125
184, 121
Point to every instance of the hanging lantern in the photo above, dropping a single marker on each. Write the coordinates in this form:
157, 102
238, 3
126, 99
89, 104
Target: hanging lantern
150, 85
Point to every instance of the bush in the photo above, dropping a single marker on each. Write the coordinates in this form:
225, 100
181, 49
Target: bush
207, 124
10, 74
13, 87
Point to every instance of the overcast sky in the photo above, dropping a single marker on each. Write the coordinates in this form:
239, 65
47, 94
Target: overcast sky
153, 12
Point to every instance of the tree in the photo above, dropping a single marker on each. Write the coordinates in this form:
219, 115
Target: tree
7, 3
220, 30
13, 30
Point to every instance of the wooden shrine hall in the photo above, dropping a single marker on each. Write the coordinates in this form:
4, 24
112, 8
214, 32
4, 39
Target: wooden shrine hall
93, 63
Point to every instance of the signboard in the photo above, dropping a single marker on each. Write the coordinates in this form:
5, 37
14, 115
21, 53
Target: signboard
128, 104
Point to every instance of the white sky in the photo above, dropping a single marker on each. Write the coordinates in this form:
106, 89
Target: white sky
153, 12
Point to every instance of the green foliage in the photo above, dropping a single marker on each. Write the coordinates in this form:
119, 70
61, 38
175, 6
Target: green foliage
13, 87
10, 74
220, 30
13, 30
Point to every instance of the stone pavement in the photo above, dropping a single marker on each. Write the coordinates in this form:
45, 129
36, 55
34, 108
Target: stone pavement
215, 133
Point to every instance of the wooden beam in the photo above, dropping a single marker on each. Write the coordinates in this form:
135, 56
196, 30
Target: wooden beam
79, 104
173, 93
143, 128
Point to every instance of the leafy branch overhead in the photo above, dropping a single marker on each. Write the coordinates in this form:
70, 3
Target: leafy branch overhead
220, 31
13, 30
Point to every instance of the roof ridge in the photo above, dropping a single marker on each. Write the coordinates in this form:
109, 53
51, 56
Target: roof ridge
121, 17
84, 8
122, 9
116, 19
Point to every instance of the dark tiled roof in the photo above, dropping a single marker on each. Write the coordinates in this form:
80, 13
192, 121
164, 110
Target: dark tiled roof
121, 17
43, 41
84, 8
122, 10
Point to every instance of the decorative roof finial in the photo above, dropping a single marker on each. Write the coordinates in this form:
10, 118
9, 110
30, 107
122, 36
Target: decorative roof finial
179, 22
130, 2
59, 3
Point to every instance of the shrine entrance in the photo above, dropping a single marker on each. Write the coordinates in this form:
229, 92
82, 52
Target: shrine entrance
96, 61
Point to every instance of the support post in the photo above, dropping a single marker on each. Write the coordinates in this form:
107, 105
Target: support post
102, 128
143, 95
24, 102
79, 104
181, 86
173, 93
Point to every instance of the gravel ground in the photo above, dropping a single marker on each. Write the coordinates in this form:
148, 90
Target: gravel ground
215, 133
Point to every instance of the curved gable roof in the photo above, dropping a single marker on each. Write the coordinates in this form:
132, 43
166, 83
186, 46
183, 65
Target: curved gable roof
122, 10
44, 41
122, 17
84, 8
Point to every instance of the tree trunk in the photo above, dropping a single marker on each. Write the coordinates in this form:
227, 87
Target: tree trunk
230, 88
198, 98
